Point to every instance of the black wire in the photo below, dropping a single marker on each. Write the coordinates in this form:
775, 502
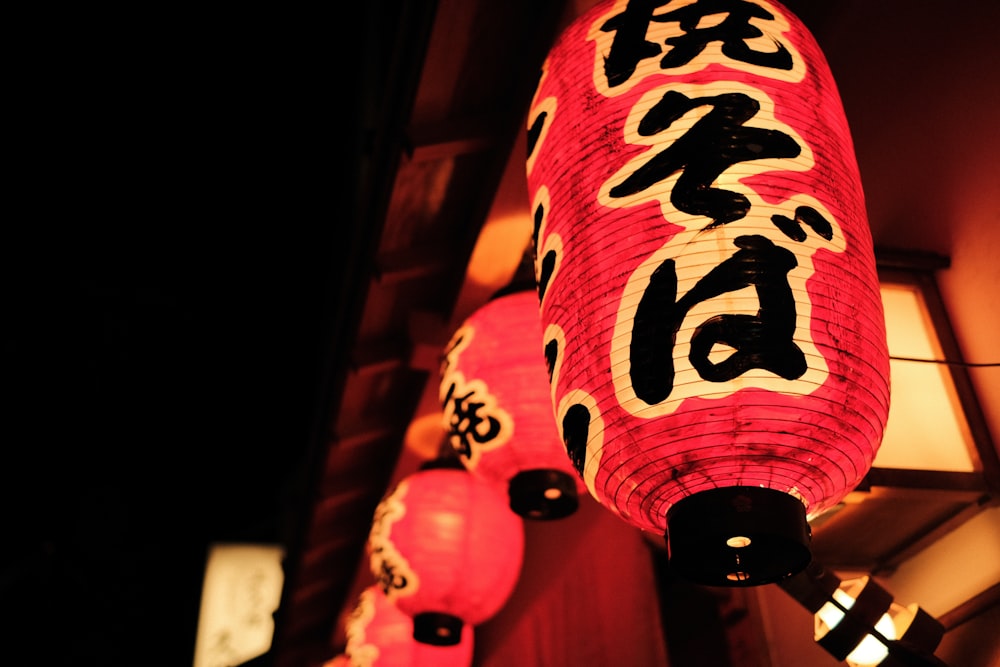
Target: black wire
965, 364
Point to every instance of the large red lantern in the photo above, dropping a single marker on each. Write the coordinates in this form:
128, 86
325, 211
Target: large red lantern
446, 550
380, 635
496, 407
710, 302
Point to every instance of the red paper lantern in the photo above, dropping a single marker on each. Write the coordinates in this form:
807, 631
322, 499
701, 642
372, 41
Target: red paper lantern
710, 301
380, 635
446, 550
497, 409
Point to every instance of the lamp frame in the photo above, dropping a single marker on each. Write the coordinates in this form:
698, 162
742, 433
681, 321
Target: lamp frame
919, 270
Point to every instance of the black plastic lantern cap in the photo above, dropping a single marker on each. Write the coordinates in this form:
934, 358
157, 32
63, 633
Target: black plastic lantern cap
542, 494
437, 629
738, 536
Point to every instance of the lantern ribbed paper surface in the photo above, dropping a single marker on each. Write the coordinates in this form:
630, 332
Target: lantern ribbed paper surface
710, 302
497, 409
380, 635
446, 550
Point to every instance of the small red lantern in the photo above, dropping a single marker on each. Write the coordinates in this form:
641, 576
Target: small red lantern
446, 550
710, 303
380, 635
497, 409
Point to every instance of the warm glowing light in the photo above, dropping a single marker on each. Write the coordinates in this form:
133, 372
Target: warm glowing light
240, 593
968, 558
446, 550
871, 649
491, 262
925, 429
738, 541
708, 288
830, 614
380, 635
423, 438
497, 411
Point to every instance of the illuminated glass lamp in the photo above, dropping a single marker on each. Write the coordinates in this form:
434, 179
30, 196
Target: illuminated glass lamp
709, 296
380, 635
497, 410
446, 549
861, 625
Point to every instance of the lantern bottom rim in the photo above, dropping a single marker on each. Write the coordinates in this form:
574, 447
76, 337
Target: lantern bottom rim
738, 536
437, 629
543, 494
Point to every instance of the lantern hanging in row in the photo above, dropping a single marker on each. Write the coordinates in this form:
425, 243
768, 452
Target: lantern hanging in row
709, 297
494, 391
446, 550
379, 634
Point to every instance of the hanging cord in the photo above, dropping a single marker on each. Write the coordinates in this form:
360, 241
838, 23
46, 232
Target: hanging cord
964, 364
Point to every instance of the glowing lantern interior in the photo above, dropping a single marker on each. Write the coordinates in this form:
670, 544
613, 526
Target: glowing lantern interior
446, 550
710, 304
380, 635
497, 410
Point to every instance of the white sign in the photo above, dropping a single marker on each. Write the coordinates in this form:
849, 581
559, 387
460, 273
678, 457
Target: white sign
240, 593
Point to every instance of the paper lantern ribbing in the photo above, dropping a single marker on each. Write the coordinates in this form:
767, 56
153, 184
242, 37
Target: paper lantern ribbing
380, 635
497, 410
446, 550
710, 302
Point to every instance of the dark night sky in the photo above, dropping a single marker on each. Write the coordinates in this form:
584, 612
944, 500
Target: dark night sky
168, 278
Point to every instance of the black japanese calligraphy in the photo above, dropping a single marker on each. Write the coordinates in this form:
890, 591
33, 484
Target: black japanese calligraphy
792, 228
575, 430
764, 340
630, 46
389, 567
546, 266
733, 31
467, 422
715, 142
